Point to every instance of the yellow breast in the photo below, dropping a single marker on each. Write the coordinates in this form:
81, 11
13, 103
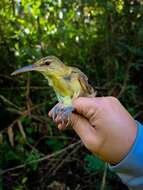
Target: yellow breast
62, 87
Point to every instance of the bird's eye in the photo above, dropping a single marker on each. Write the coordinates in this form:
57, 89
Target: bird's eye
47, 62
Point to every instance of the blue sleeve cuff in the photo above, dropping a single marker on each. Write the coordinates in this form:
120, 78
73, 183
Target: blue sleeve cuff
130, 169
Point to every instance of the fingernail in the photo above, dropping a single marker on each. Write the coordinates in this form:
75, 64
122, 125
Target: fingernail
60, 126
49, 114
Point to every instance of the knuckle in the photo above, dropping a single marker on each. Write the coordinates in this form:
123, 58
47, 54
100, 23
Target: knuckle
90, 112
112, 99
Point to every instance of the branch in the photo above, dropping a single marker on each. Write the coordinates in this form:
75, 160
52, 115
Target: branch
104, 178
43, 158
126, 78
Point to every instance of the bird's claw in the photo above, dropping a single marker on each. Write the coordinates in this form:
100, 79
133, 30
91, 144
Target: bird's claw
63, 112
65, 115
56, 110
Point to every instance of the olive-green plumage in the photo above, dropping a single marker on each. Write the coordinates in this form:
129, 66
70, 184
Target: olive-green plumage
68, 82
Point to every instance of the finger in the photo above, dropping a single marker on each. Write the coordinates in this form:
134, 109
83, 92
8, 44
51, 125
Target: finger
61, 126
59, 120
85, 131
85, 106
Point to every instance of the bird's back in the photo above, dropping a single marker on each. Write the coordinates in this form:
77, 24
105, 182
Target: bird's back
84, 88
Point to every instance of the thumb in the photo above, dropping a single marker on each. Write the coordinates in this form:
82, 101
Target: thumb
85, 106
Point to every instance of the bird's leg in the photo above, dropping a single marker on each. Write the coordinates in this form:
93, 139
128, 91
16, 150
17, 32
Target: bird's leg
63, 110
66, 111
65, 115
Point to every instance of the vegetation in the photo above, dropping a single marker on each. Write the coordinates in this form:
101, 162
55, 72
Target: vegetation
102, 38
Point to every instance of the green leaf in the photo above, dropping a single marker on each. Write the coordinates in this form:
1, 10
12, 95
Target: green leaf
93, 164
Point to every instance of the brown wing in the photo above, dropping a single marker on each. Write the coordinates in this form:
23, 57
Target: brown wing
86, 87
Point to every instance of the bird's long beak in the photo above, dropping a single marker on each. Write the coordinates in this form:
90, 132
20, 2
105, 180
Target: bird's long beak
25, 69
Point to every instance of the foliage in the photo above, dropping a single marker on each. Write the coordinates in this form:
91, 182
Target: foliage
102, 38
92, 164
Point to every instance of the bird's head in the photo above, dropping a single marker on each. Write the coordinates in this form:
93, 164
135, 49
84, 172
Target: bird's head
47, 66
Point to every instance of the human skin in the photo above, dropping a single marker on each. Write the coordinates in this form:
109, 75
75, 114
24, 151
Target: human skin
105, 127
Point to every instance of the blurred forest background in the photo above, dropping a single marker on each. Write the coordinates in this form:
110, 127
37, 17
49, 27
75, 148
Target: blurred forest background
102, 38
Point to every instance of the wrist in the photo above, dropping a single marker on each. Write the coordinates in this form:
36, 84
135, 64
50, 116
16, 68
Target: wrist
130, 169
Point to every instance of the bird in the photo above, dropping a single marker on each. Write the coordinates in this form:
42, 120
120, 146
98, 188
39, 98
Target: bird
68, 83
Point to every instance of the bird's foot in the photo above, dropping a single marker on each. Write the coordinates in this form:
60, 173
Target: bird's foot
62, 112
56, 110
65, 115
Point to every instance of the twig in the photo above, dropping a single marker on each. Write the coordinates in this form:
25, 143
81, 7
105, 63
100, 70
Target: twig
28, 100
104, 178
21, 129
35, 117
126, 78
53, 138
64, 160
7, 77
8, 101
42, 159
138, 114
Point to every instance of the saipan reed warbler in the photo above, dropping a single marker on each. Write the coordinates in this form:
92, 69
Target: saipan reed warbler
68, 83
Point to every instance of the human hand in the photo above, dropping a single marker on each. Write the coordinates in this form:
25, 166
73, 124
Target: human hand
104, 125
